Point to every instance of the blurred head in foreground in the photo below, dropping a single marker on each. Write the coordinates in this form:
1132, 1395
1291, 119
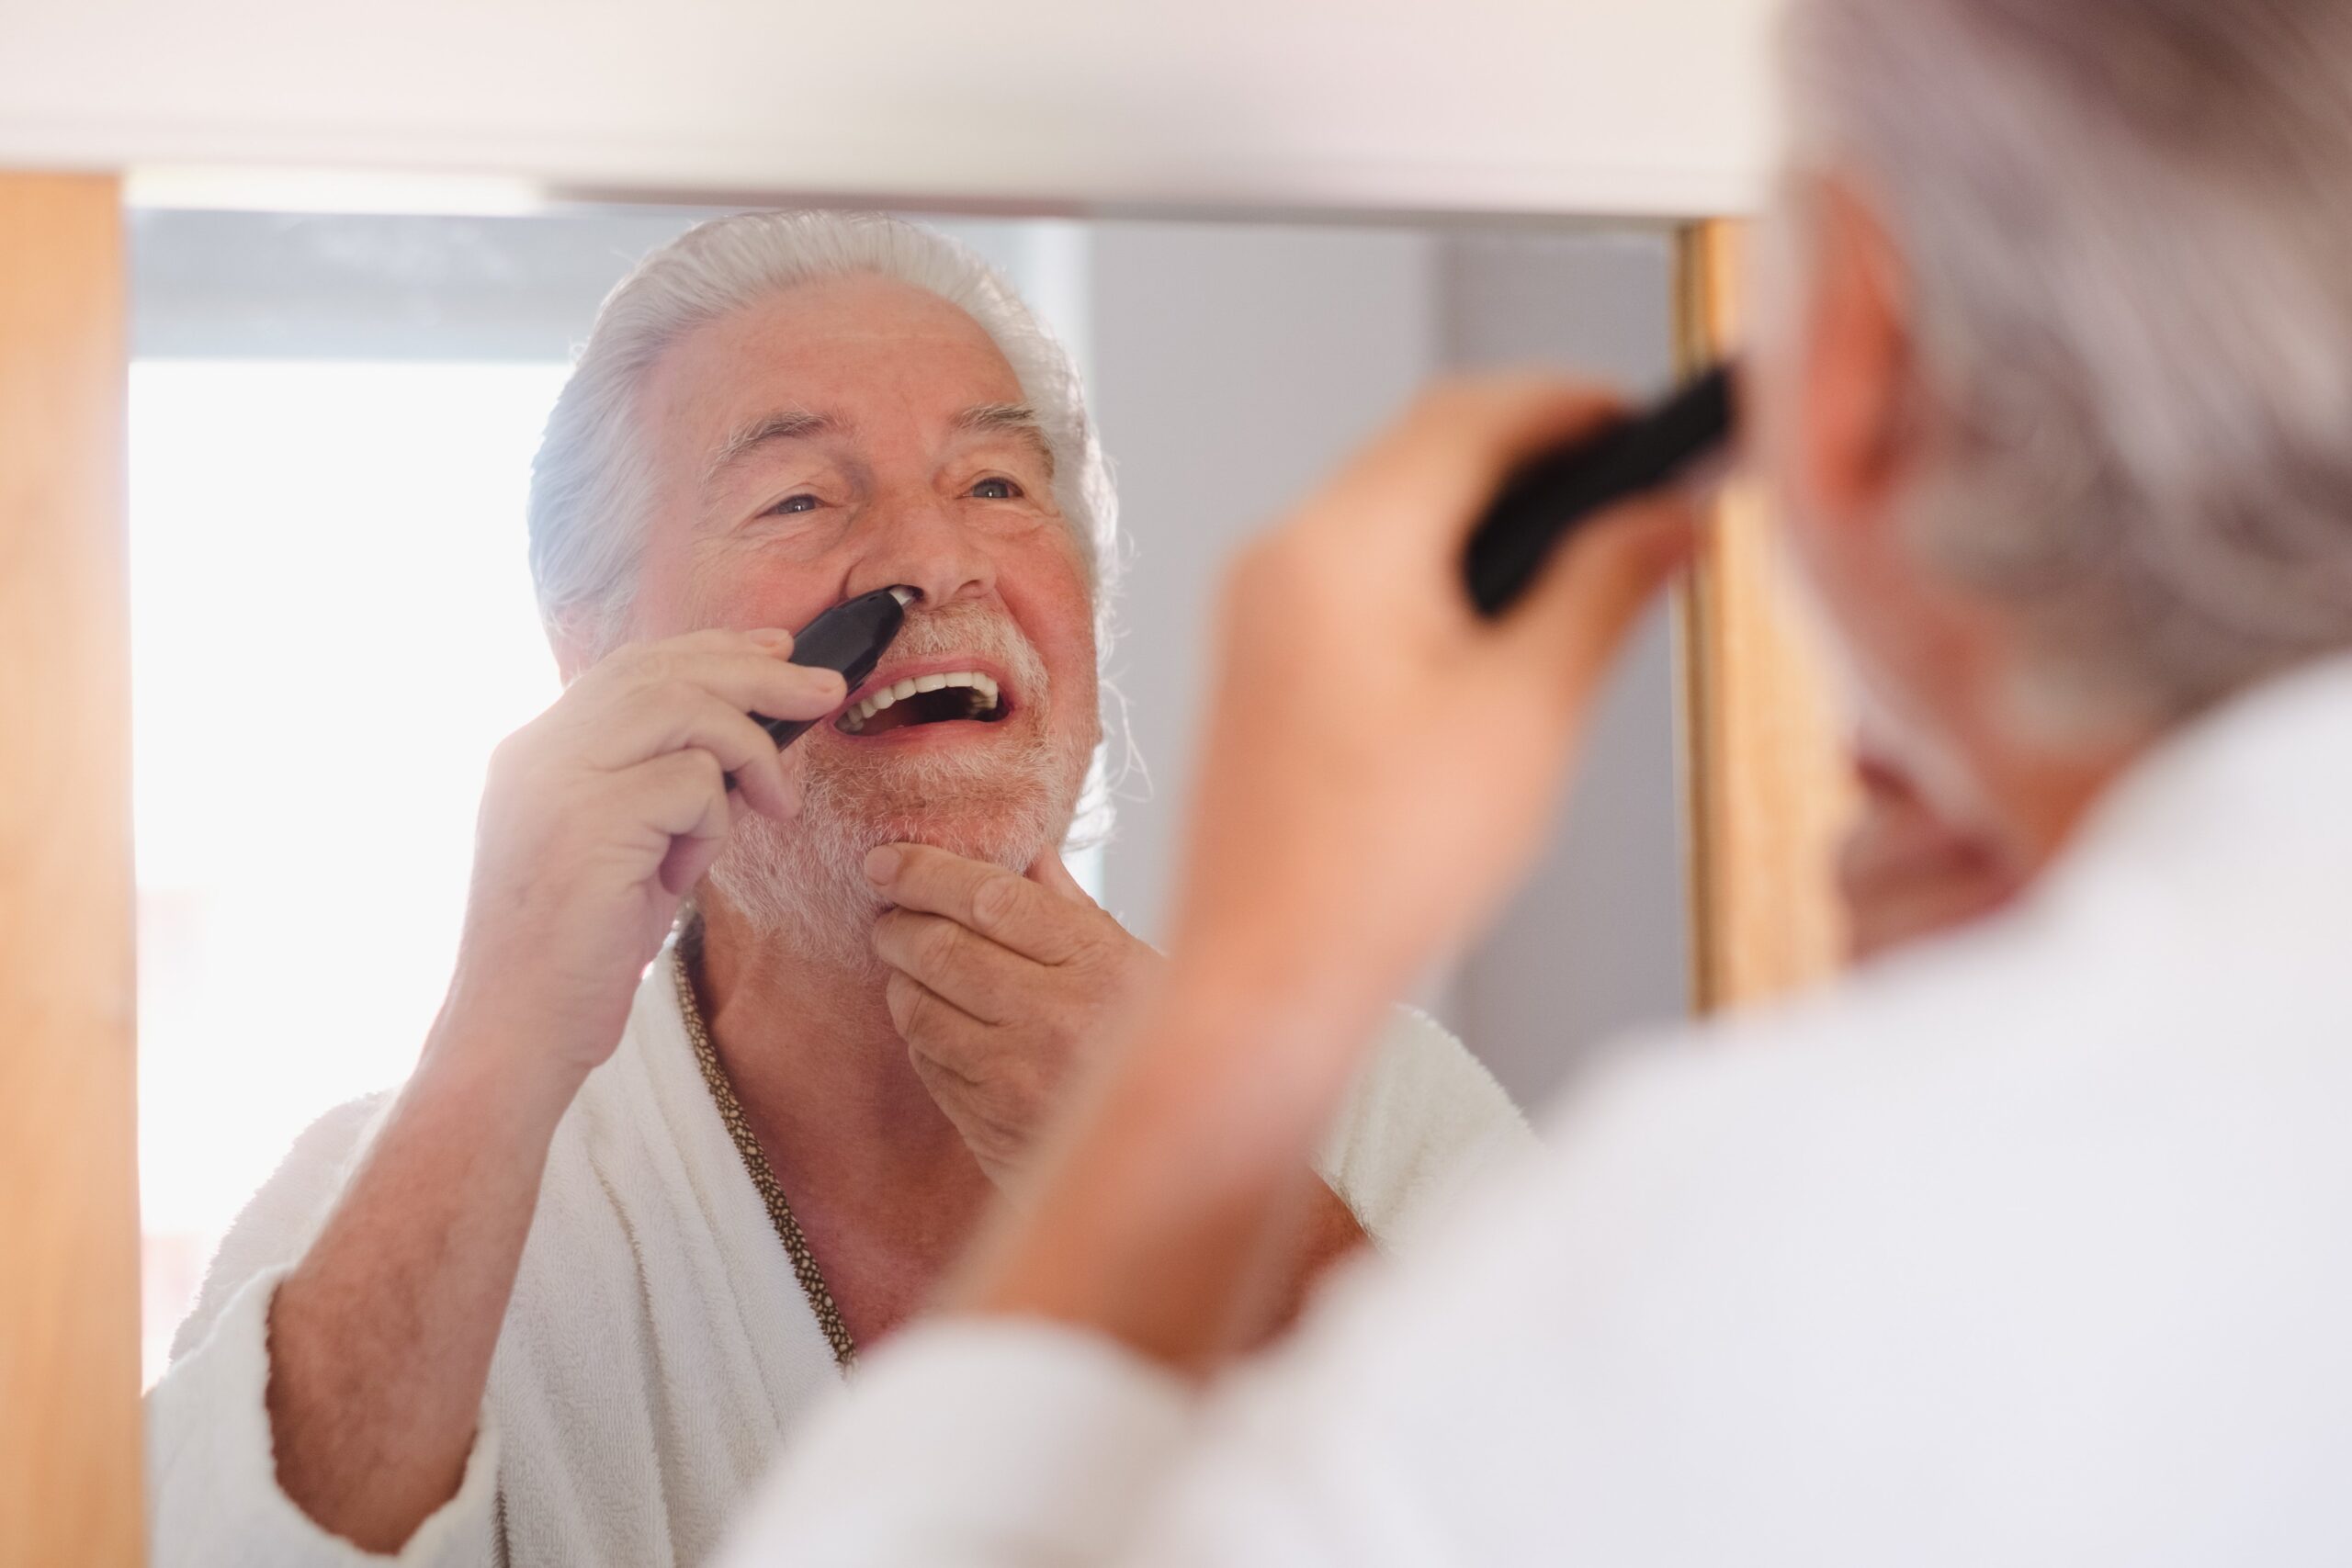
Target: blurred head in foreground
2057, 377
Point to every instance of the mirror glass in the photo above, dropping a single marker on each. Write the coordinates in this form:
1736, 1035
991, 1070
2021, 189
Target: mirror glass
333, 420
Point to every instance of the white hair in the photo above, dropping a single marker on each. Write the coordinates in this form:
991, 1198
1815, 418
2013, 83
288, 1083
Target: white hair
2126, 226
591, 483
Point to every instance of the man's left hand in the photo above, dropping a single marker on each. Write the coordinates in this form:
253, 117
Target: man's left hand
997, 983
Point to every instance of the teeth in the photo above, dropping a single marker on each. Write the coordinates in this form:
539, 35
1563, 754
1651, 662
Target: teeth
884, 697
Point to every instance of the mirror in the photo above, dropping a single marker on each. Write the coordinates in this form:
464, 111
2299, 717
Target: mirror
332, 418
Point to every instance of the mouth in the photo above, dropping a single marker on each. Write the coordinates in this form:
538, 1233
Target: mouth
944, 696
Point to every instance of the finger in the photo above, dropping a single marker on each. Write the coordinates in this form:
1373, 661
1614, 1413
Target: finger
687, 861
773, 642
1052, 872
680, 717
741, 674
935, 1029
1007, 909
683, 796
725, 639
985, 980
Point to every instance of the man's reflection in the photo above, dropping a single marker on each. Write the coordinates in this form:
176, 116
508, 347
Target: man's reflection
641, 1200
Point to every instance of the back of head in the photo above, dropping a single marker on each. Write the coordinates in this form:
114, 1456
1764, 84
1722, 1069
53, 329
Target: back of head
2125, 224
589, 485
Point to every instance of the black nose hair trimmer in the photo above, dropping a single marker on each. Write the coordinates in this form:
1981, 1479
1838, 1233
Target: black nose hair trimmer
851, 638
1544, 501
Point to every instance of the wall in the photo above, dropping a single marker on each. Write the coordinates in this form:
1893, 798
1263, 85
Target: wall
1233, 366
1600, 107
1597, 942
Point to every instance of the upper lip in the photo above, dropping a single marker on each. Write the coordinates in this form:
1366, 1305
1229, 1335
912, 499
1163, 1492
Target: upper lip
890, 674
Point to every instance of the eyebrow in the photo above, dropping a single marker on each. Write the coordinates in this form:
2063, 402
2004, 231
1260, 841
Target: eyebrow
1018, 420
1009, 419
786, 424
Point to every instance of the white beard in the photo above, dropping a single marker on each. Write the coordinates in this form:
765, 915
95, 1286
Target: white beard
1006, 803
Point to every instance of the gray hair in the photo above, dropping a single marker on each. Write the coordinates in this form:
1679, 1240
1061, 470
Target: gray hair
591, 484
2125, 225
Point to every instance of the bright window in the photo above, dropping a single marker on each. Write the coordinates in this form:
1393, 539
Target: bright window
331, 625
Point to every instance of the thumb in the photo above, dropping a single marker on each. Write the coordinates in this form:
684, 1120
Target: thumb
1049, 872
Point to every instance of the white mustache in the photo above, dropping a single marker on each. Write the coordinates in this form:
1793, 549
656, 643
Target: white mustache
975, 630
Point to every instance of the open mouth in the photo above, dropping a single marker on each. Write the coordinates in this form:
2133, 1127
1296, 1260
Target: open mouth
944, 698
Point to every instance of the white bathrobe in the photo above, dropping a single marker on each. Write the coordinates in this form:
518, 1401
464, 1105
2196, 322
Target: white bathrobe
657, 1348
2030, 1247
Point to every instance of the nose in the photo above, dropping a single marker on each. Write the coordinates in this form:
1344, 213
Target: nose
919, 542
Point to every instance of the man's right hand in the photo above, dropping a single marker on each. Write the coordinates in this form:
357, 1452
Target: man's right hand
601, 815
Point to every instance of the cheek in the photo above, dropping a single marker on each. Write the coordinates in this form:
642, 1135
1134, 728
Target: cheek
1046, 590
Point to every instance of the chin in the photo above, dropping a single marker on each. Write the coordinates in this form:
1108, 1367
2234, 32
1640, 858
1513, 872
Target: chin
805, 882
1006, 804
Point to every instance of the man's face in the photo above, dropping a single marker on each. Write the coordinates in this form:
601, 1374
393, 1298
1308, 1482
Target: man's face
842, 436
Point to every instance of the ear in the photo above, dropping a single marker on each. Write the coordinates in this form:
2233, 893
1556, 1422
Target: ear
1858, 363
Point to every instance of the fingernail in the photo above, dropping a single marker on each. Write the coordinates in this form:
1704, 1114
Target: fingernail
881, 862
769, 637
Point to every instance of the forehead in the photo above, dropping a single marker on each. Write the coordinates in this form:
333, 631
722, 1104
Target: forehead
869, 348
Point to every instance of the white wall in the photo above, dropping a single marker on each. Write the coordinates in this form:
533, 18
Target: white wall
1233, 366
1597, 942
1653, 106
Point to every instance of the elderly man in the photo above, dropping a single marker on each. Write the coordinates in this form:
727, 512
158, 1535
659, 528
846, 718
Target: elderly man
556, 1302
2031, 1245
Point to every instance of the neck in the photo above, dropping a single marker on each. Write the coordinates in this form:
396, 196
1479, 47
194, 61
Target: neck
2046, 801
805, 1034
878, 1178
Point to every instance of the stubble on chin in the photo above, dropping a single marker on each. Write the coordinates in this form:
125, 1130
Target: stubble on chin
1005, 799
804, 883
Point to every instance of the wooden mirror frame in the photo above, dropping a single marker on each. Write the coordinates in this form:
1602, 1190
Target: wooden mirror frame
1764, 779
1766, 784
68, 1201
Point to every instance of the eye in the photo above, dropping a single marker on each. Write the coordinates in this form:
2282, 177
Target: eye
792, 503
996, 489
